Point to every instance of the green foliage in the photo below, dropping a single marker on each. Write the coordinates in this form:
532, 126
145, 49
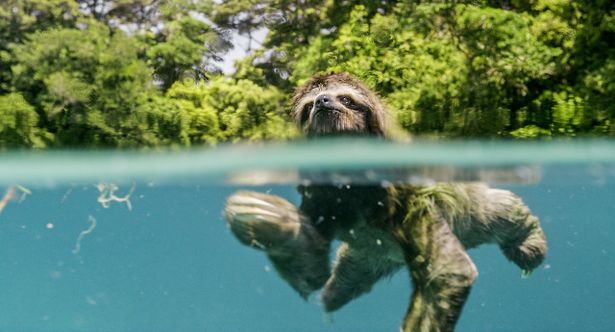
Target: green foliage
132, 73
179, 49
19, 18
86, 83
530, 131
89, 83
19, 123
229, 110
202, 125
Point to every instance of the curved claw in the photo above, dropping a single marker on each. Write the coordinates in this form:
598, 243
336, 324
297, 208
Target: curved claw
259, 220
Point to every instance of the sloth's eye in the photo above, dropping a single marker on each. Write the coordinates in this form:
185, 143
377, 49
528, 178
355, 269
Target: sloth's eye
305, 112
345, 100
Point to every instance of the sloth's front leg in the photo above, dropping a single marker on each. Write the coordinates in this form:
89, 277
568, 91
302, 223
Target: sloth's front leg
270, 223
442, 274
495, 215
518, 233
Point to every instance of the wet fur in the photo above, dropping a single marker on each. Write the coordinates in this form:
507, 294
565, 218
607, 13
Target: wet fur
382, 228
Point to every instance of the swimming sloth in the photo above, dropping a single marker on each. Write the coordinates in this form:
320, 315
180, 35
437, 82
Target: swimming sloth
382, 228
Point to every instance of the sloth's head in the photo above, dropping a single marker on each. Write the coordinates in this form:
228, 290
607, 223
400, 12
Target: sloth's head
338, 104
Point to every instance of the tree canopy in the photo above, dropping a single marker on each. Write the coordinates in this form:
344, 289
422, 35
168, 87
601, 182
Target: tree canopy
146, 73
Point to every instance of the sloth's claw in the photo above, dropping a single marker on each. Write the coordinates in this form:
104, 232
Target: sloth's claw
248, 199
259, 220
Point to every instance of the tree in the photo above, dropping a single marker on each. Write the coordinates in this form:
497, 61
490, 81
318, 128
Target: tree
89, 85
233, 110
19, 18
19, 123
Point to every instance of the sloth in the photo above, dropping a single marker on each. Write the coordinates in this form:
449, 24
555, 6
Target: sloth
382, 227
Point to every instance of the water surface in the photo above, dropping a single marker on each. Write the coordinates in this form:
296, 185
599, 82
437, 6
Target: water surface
73, 260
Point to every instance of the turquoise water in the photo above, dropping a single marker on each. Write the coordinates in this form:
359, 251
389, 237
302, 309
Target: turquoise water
73, 262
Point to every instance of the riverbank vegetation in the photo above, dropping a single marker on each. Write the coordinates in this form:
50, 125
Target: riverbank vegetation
146, 73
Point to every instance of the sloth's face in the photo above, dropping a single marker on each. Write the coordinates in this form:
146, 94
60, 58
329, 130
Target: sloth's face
334, 109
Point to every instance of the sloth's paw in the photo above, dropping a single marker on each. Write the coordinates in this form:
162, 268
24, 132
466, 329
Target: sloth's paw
527, 252
260, 220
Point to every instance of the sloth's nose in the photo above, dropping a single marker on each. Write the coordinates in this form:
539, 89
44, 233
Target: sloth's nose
324, 101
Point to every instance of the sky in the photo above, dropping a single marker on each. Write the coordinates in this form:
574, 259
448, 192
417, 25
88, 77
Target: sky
240, 49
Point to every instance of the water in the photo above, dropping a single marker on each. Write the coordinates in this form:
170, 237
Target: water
170, 264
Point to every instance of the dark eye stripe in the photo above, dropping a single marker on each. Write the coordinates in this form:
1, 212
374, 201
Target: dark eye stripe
305, 112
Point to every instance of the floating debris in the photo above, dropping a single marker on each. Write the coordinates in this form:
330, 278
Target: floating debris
24, 192
83, 233
107, 195
9, 195
385, 184
327, 318
66, 194
257, 244
351, 232
320, 220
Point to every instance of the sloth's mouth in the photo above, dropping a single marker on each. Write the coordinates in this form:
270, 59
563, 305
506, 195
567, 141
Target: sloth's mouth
326, 119
326, 111
327, 123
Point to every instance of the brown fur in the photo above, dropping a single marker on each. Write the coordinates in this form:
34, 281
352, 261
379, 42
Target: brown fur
376, 123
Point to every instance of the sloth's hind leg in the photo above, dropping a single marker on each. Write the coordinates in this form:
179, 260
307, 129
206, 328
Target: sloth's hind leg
354, 273
270, 223
442, 274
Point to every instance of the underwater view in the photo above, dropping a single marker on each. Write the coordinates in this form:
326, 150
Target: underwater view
118, 241
307, 165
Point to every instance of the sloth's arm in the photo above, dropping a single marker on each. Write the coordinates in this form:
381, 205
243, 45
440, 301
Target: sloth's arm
354, 273
519, 234
272, 224
442, 274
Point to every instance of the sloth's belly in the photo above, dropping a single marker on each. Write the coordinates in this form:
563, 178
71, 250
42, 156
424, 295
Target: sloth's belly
375, 243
